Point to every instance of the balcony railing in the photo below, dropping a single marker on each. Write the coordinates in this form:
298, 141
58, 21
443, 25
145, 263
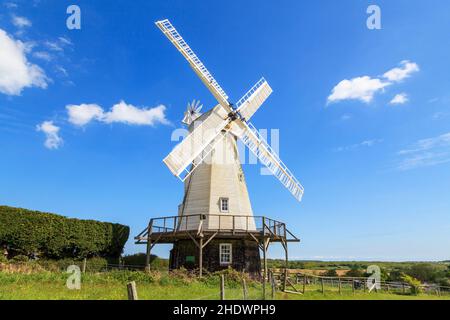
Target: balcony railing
221, 223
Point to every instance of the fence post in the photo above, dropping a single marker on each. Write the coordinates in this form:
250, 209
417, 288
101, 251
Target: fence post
244, 288
84, 265
132, 292
222, 287
340, 285
403, 288
323, 289
272, 282
353, 286
304, 284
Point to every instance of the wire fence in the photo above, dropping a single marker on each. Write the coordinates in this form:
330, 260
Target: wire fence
304, 283
296, 282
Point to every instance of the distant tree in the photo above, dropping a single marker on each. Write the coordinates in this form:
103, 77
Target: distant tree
331, 273
356, 272
424, 272
413, 282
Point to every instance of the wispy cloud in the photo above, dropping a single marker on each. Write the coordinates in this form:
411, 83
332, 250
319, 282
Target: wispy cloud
365, 143
440, 115
346, 117
426, 153
43, 55
364, 88
52, 138
81, 115
400, 98
11, 5
21, 22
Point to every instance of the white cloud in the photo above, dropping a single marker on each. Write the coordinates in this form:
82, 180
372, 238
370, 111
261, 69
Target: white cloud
404, 71
59, 44
16, 72
425, 153
361, 88
11, 5
54, 46
121, 112
399, 99
365, 143
82, 114
43, 55
21, 22
129, 114
364, 88
346, 117
65, 41
52, 138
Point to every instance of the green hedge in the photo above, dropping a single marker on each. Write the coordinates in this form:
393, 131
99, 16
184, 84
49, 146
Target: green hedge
56, 237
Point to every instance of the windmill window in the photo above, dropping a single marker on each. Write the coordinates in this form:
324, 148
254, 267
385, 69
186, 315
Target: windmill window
224, 205
225, 253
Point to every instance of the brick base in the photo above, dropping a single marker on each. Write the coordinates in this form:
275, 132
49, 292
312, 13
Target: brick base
245, 256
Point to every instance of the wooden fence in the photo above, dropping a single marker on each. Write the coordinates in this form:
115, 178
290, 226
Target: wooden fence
302, 283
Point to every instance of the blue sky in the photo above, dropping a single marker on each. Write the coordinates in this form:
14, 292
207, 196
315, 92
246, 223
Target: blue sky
376, 170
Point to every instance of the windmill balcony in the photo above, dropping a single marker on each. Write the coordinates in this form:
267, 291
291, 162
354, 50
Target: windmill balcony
167, 229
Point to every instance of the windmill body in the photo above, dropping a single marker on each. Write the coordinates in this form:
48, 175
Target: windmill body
215, 226
217, 188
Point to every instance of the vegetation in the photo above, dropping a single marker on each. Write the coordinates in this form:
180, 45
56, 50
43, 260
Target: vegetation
156, 285
138, 260
32, 233
425, 272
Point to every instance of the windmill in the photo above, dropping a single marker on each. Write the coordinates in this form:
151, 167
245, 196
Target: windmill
215, 226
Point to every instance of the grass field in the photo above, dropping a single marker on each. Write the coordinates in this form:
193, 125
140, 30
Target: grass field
112, 286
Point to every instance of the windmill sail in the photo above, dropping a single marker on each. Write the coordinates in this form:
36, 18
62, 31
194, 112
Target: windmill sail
253, 99
259, 146
172, 34
201, 139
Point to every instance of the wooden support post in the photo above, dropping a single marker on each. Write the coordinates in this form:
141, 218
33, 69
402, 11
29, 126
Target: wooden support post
200, 257
304, 284
286, 262
403, 288
84, 265
340, 285
353, 285
265, 268
321, 283
244, 289
222, 287
149, 245
132, 292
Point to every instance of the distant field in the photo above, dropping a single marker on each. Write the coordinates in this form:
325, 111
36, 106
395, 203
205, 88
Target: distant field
112, 285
